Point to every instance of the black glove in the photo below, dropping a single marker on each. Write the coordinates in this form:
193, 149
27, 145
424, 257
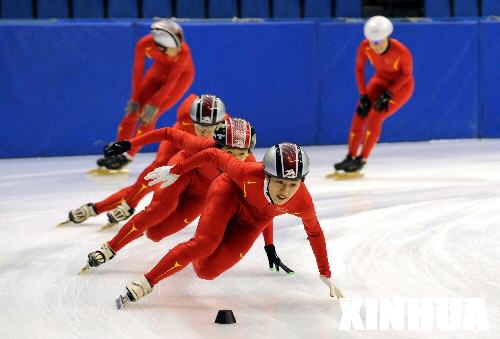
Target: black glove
275, 261
116, 148
364, 106
382, 103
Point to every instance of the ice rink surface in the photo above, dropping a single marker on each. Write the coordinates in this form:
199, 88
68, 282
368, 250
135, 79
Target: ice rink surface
424, 222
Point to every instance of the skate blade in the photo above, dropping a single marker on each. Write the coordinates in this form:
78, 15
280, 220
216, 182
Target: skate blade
64, 223
105, 171
121, 301
108, 226
84, 269
344, 175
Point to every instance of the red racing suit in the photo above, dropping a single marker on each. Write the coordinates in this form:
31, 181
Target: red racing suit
176, 206
164, 83
393, 73
236, 211
134, 193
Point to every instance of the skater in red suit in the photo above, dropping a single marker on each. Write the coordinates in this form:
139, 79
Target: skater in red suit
173, 208
239, 205
387, 91
157, 90
197, 115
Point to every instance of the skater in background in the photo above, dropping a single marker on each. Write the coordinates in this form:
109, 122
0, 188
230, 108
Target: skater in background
386, 92
157, 90
197, 115
174, 207
240, 204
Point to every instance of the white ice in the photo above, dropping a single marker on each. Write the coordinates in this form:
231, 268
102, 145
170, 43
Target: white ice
424, 222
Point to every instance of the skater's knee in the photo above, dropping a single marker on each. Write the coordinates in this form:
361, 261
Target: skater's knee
207, 244
205, 271
153, 235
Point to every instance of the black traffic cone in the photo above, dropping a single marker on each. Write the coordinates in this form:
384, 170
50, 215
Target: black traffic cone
225, 317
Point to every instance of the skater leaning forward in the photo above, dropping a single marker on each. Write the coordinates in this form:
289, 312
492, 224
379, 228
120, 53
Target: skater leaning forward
197, 115
386, 92
156, 90
177, 205
240, 204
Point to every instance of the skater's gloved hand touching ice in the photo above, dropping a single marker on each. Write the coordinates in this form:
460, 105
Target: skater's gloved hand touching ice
116, 148
364, 106
334, 291
161, 174
274, 261
382, 103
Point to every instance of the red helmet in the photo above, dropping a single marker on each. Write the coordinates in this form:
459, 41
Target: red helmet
235, 133
286, 161
207, 110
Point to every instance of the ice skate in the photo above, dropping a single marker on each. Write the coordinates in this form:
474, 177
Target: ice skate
79, 215
339, 166
347, 170
135, 291
356, 165
342, 169
120, 213
98, 257
111, 165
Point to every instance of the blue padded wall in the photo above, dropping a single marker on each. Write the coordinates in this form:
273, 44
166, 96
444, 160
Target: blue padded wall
489, 122
69, 99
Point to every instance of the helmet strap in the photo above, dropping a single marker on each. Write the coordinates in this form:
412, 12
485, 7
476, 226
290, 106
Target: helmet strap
388, 46
267, 180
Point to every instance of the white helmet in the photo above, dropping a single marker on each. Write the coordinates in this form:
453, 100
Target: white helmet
167, 33
378, 28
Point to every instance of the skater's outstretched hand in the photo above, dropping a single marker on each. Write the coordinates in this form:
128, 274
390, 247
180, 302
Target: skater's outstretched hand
364, 106
382, 103
161, 174
116, 148
334, 291
275, 261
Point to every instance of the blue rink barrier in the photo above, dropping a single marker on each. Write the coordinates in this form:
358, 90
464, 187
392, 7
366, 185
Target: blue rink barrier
64, 84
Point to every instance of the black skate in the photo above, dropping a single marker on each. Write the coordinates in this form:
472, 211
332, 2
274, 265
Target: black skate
341, 165
114, 162
350, 169
356, 165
